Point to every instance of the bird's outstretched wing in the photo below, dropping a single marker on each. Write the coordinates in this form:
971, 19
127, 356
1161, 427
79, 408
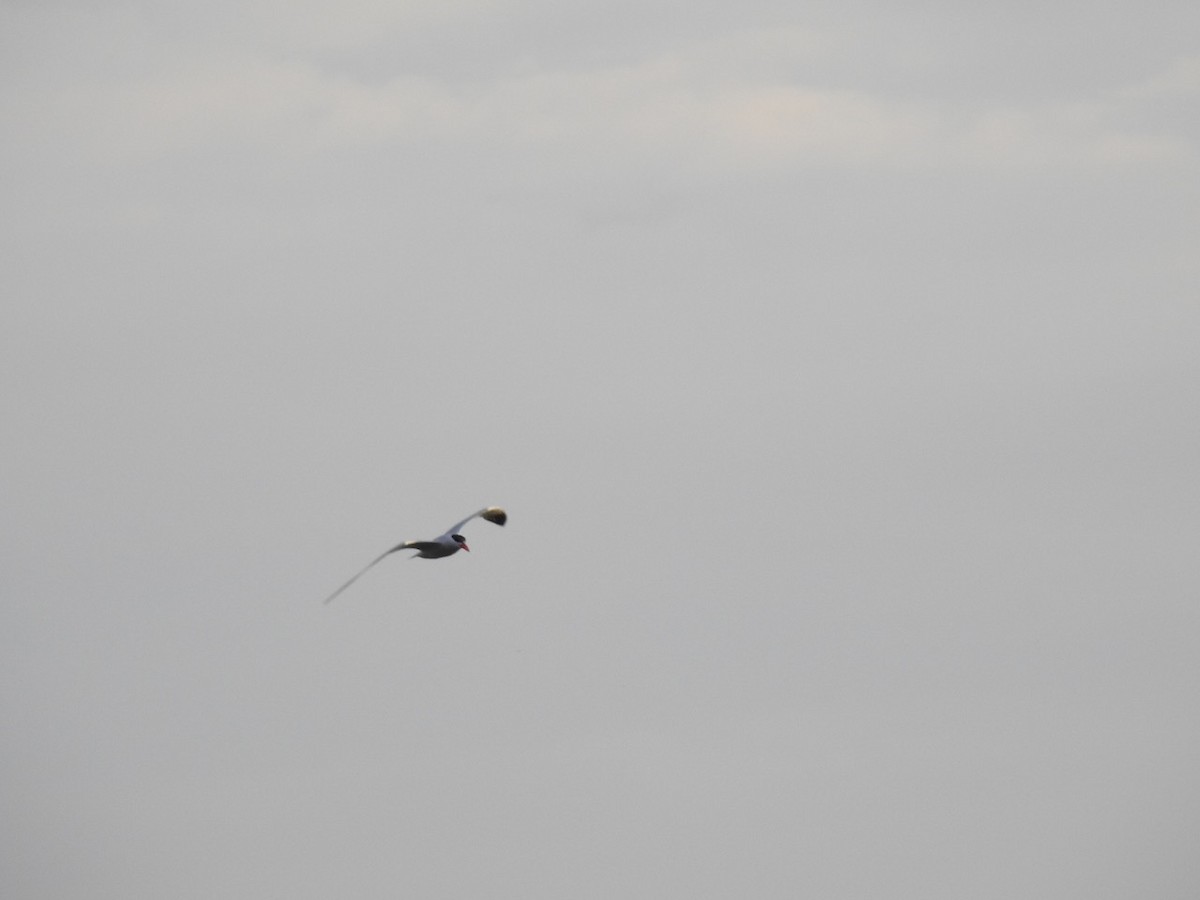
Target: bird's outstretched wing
403, 546
492, 514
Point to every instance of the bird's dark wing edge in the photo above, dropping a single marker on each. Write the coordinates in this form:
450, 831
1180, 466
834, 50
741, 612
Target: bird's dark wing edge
492, 514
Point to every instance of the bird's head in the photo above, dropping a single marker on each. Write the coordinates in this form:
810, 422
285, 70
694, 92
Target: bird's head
461, 541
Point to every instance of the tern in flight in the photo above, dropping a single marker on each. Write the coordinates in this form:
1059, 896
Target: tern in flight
443, 545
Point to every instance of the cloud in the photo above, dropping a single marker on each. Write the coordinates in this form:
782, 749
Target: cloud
719, 106
1061, 135
1181, 77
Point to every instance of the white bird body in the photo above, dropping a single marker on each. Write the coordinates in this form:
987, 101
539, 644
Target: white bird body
446, 544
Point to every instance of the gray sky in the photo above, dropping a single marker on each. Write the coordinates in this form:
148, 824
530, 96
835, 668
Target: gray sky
838, 369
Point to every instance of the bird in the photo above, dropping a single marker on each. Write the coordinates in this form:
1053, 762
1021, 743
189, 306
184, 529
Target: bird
446, 544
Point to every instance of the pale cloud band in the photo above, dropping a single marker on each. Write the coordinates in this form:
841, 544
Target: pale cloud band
718, 105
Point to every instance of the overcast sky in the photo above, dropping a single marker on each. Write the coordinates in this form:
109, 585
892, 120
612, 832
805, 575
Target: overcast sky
837, 365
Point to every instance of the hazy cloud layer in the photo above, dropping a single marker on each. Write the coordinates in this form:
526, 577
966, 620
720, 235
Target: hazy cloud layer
837, 369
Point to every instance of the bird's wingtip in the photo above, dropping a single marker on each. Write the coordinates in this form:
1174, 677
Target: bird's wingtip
495, 514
